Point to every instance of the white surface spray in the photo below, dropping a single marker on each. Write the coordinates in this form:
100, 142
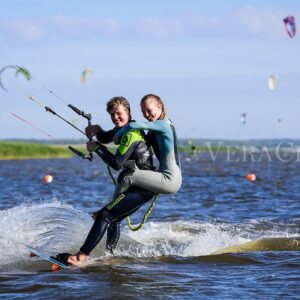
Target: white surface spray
55, 227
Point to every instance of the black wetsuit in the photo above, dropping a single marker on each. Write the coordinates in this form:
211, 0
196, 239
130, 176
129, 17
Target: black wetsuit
110, 217
132, 148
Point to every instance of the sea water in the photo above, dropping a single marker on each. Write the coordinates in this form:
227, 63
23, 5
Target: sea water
172, 256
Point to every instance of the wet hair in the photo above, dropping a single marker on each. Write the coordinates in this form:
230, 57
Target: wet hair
158, 101
114, 102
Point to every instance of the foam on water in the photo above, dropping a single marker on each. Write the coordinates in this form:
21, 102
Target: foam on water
182, 238
51, 226
56, 227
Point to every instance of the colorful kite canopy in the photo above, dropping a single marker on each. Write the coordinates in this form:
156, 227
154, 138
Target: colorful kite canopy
272, 82
86, 72
24, 72
19, 70
290, 26
243, 118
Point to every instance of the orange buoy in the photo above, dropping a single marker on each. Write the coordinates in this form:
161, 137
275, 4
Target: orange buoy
48, 179
251, 177
55, 267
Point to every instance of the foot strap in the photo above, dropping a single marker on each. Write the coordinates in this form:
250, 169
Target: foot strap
63, 258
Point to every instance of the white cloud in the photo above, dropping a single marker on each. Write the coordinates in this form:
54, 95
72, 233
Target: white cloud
24, 29
258, 22
201, 23
244, 22
107, 26
29, 30
161, 28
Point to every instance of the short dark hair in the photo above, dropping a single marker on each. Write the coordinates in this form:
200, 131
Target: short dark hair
115, 102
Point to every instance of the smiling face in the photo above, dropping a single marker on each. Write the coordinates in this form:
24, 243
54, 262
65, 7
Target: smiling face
151, 109
119, 116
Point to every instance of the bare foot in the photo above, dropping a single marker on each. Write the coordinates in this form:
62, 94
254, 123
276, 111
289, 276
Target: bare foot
78, 259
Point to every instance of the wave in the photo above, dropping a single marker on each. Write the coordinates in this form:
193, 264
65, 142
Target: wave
56, 227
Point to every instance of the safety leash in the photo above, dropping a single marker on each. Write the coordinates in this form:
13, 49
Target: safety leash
147, 214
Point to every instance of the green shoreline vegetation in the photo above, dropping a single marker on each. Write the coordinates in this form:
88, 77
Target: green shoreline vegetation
32, 150
23, 150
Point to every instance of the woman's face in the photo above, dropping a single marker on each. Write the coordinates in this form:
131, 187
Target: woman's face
119, 116
151, 110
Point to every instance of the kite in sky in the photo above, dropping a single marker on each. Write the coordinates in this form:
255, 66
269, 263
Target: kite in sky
24, 72
86, 72
272, 82
19, 70
290, 26
243, 118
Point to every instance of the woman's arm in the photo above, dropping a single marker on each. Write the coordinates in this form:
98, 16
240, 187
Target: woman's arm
124, 151
158, 126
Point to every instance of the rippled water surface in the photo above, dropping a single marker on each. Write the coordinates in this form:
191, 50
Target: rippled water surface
254, 226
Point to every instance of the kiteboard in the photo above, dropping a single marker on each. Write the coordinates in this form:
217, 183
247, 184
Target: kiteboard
56, 265
264, 244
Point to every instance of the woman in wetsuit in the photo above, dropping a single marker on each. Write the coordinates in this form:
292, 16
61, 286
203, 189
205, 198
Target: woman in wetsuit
132, 147
162, 137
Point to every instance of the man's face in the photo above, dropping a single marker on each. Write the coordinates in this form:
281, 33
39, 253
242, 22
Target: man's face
119, 116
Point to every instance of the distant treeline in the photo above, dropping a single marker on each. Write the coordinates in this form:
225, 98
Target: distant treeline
21, 150
26, 149
182, 142
18, 149
270, 143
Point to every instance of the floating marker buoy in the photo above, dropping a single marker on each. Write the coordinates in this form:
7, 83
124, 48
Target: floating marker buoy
48, 179
251, 177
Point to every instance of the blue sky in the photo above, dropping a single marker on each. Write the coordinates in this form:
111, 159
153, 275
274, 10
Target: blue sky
209, 60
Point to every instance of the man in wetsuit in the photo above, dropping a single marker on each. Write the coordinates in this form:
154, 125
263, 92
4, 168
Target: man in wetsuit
132, 149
